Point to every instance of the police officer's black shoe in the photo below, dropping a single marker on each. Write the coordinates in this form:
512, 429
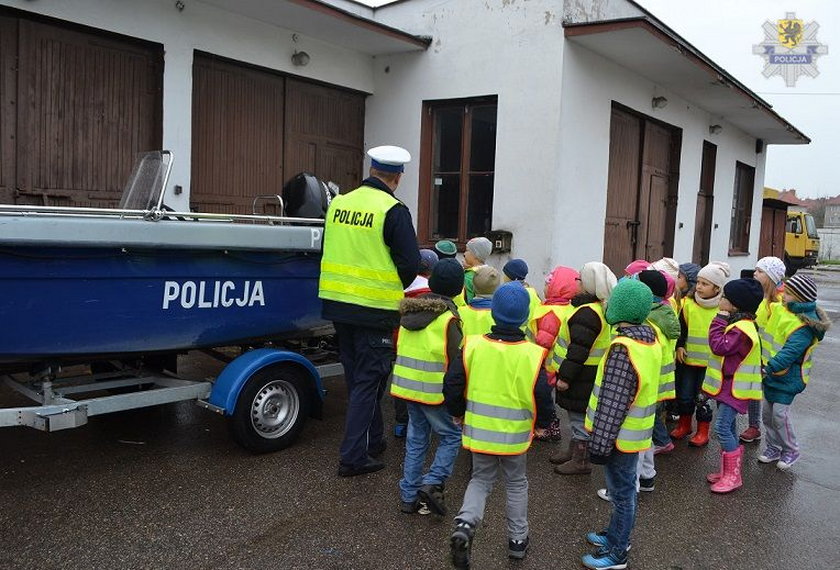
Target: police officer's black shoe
370, 466
432, 495
377, 449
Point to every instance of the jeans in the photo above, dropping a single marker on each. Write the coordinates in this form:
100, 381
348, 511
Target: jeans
754, 414
689, 379
620, 473
576, 420
422, 421
660, 432
485, 468
725, 427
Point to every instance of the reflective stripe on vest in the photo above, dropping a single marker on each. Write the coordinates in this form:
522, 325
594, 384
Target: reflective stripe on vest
475, 321
698, 320
667, 379
356, 266
500, 394
421, 362
637, 428
596, 353
781, 325
746, 382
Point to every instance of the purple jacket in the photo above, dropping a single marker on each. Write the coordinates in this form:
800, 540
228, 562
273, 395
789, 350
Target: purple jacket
733, 346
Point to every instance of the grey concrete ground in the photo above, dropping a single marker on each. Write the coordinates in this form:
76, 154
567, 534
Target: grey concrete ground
166, 487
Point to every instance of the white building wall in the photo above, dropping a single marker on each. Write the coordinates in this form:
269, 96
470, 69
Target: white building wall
829, 243
590, 84
206, 28
509, 49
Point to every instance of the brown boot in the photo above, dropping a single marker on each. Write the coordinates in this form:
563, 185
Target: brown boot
562, 455
579, 463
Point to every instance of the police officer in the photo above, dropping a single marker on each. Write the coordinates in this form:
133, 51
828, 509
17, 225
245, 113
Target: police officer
370, 256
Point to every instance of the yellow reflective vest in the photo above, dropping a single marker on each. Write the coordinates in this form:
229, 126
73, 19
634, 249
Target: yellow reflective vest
667, 378
746, 382
562, 312
697, 319
637, 428
356, 265
475, 321
421, 362
781, 325
596, 353
501, 409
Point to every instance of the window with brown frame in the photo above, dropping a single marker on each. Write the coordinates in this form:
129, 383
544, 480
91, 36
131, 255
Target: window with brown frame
742, 198
457, 167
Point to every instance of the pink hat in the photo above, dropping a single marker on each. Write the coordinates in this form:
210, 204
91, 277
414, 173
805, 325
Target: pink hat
669, 291
637, 266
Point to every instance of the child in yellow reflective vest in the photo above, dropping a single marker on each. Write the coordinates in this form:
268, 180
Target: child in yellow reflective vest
733, 378
498, 386
795, 329
693, 352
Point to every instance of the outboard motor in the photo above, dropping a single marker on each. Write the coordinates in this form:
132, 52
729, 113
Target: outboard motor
305, 196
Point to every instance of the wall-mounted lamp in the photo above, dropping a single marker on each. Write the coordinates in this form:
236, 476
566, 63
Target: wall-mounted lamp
300, 58
179, 5
659, 102
715, 129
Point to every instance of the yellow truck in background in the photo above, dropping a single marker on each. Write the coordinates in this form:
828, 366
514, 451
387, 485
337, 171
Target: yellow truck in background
802, 242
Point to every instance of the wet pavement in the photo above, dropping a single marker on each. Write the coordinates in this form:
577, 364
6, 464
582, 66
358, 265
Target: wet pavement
167, 487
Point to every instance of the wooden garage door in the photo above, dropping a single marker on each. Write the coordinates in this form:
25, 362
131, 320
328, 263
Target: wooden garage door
76, 109
641, 189
254, 129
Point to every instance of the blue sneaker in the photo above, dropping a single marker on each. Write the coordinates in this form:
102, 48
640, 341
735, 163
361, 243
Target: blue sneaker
598, 539
602, 560
770, 455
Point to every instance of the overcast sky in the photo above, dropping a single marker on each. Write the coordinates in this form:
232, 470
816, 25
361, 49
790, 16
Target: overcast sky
726, 30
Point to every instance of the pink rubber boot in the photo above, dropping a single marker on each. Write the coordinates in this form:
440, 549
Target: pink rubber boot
715, 477
731, 478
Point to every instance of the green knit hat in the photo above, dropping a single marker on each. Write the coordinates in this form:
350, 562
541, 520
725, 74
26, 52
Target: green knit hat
630, 302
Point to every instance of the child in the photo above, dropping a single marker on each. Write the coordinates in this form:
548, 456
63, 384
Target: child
796, 328
477, 252
517, 270
445, 249
420, 286
686, 280
693, 351
429, 338
497, 385
635, 267
620, 415
734, 378
476, 314
580, 345
769, 271
561, 286
671, 269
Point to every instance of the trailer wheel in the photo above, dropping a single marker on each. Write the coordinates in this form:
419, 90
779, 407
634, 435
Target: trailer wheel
271, 409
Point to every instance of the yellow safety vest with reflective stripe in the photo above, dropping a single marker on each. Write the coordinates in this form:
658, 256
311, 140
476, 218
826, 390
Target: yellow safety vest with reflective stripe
501, 409
421, 362
698, 320
637, 427
781, 325
762, 319
475, 321
667, 379
562, 312
534, 301
676, 305
599, 347
746, 382
356, 266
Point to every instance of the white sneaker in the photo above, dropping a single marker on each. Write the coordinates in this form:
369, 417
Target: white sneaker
603, 494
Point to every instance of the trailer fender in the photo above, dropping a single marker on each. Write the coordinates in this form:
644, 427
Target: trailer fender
229, 383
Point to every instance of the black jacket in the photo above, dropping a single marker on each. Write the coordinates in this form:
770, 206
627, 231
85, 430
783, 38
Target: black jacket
584, 328
400, 237
455, 382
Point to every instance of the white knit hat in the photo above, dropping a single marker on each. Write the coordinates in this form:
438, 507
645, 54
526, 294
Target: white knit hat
481, 247
597, 279
669, 266
716, 272
773, 267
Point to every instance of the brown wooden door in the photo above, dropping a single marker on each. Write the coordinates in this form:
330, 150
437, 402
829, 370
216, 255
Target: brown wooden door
641, 190
76, 109
254, 129
705, 205
772, 237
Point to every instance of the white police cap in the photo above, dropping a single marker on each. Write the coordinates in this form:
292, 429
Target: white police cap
389, 158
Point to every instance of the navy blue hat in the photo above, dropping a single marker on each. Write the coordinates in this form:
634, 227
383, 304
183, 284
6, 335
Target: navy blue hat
516, 269
690, 270
745, 294
511, 305
447, 278
428, 259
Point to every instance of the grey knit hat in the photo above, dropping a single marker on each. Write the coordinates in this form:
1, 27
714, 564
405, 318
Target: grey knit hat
480, 247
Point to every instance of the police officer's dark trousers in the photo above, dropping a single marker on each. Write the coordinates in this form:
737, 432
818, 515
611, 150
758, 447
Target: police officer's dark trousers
367, 356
